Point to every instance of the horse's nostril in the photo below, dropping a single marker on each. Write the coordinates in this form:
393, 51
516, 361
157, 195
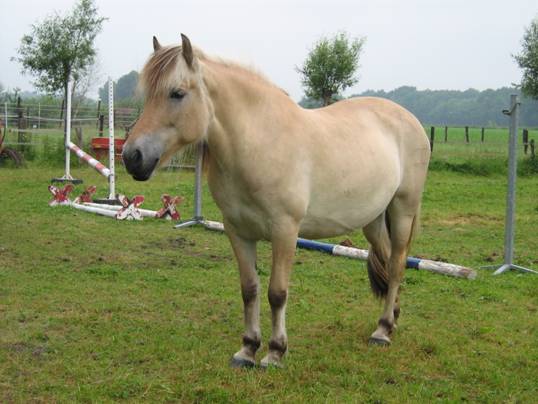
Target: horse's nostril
137, 156
133, 159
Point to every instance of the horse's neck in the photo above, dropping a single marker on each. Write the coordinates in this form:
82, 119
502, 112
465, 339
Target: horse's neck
242, 103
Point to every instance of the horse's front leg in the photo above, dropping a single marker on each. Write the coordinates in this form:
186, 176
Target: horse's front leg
245, 253
284, 241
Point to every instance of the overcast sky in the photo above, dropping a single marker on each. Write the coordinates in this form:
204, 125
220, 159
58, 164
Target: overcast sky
435, 44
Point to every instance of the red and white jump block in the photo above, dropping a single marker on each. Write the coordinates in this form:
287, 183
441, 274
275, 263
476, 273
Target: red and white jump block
169, 210
60, 196
129, 210
87, 195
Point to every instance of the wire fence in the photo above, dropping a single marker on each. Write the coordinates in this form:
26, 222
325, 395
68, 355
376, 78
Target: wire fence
37, 116
481, 150
451, 142
36, 131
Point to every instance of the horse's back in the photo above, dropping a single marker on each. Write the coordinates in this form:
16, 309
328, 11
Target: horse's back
374, 111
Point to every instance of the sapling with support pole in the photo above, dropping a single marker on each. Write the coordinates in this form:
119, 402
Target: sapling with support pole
67, 139
509, 229
108, 172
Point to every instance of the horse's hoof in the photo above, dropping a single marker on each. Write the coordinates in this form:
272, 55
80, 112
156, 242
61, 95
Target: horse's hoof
266, 363
378, 341
242, 363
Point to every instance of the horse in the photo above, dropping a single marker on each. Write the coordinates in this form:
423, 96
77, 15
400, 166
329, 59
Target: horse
278, 172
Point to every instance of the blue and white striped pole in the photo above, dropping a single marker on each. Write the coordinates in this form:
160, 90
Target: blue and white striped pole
357, 253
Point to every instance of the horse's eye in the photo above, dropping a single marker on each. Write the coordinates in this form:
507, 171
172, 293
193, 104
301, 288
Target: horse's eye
177, 94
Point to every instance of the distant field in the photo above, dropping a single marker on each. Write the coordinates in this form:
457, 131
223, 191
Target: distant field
97, 310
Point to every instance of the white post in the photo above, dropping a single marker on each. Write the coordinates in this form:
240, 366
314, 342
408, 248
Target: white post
111, 151
68, 130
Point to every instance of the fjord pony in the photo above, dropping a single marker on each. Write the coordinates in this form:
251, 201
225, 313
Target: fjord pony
277, 171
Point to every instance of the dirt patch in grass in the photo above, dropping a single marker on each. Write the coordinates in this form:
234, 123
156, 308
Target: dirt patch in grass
471, 219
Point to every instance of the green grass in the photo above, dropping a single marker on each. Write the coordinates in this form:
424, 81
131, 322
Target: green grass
476, 157
94, 310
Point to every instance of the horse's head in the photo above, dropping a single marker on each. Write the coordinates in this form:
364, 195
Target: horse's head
177, 110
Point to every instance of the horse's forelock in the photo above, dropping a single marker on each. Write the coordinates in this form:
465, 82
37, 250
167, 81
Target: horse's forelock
156, 76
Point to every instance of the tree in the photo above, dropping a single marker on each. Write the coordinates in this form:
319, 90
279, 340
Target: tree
124, 88
61, 47
528, 60
330, 67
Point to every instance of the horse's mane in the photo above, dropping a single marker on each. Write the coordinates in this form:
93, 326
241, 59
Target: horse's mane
156, 76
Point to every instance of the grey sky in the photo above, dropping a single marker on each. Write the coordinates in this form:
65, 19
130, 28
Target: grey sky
436, 44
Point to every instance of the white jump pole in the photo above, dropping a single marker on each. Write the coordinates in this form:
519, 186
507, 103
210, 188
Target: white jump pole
442, 268
100, 167
115, 208
111, 145
93, 209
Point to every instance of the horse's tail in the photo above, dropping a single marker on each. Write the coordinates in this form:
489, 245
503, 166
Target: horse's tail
378, 257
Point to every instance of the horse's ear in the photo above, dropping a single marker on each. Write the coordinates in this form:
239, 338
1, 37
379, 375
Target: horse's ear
187, 50
156, 44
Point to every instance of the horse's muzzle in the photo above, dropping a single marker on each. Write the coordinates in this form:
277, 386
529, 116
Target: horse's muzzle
139, 167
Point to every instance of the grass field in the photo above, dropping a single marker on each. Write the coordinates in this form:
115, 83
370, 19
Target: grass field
93, 310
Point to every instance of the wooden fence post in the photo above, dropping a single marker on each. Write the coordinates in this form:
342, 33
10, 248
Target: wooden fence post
432, 137
533, 155
98, 112
78, 131
101, 124
20, 114
525, 140
482, 135
22, 126
466, 134
62, 112
446, 134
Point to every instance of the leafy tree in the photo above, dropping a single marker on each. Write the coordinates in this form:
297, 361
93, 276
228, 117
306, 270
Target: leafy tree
528, 60
460, 108
124, 88
60, 47
330, 67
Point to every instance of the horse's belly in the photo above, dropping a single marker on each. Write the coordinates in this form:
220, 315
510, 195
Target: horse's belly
335, 220
348, 207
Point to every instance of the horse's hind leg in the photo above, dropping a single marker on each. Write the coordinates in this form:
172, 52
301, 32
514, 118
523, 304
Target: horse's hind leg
245, 253
401, 216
